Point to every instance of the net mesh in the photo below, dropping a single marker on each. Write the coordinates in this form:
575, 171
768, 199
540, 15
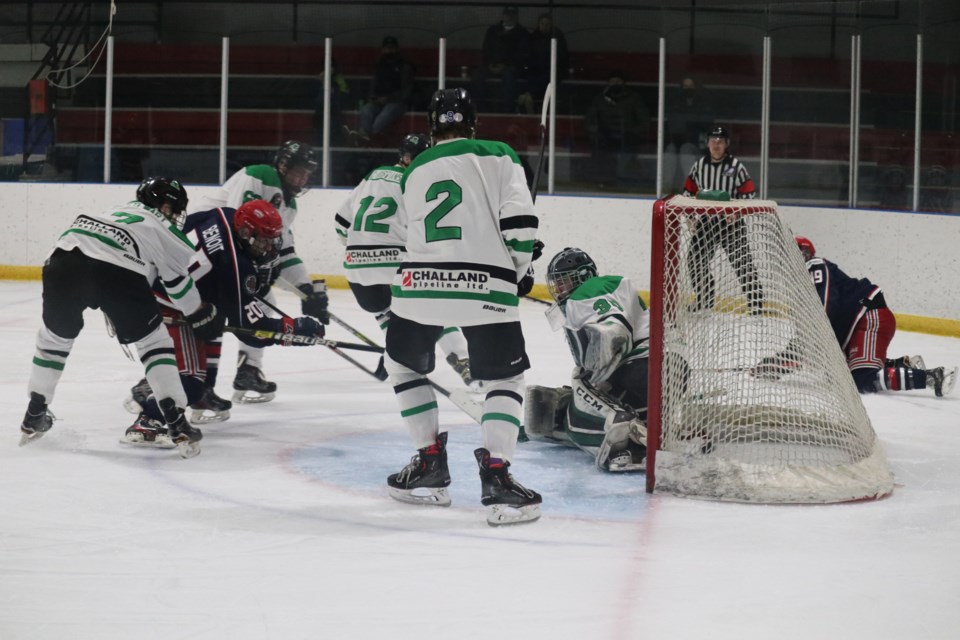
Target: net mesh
756, 403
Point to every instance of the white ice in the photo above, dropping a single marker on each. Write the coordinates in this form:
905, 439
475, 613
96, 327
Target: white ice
282, 527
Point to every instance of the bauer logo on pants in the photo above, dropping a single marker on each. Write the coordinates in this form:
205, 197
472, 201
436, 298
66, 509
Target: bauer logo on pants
444, 280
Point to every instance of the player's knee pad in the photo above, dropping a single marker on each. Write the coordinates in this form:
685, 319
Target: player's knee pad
509, 388
156, 345
52, 344
867, 380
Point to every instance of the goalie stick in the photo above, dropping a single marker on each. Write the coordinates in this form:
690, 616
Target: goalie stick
547, 97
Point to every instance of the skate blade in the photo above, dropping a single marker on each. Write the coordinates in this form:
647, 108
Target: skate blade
257, 398
188, 449
422, 496
136, 440
132, 406
200, 416
500, 515
27, 438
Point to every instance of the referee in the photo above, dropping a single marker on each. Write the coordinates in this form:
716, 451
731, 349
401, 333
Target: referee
720, 171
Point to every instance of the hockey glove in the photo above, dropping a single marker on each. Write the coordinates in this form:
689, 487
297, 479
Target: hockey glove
303, 326
526, 283
537, 249
207, 323
316, 302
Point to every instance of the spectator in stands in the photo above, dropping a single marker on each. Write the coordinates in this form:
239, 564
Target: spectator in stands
506, 48
389, 94
617, 122
340, 100
539, 70
689, 115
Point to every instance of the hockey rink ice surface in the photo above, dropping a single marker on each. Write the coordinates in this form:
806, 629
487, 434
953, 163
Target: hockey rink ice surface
282, 528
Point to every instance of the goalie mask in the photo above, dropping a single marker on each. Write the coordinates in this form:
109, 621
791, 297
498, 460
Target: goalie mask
167, 196
568, 270
258, 229
806, 247
452, 111
295, 162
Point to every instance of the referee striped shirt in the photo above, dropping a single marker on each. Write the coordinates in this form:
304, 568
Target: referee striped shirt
726, 175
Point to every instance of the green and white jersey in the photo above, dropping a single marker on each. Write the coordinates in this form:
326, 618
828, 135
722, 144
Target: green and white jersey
606, 299
470, 233
141, 239
262, 182
372, 224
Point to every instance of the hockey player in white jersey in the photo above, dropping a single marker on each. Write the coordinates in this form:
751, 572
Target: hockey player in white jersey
470, 234
372, 225
107, 261
607, 328
280, 184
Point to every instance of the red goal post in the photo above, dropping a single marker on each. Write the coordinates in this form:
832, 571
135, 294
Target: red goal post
729, 289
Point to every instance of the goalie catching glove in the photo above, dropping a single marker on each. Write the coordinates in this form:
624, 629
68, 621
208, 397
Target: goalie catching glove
207, 323
316, 301
304, 326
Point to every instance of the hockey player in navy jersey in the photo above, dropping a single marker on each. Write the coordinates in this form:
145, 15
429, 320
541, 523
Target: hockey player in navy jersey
237, 251
864, 327
607, 328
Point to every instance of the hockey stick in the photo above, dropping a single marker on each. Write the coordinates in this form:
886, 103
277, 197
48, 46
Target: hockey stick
286, 338
547, 96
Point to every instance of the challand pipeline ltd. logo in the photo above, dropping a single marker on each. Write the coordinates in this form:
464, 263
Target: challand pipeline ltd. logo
444, 280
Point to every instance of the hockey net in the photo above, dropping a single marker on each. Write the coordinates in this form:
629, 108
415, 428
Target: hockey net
796, 434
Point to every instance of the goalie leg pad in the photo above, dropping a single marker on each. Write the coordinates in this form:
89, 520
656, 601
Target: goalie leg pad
545, 413
624, 447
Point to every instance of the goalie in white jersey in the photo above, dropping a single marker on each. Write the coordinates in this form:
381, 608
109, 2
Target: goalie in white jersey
607, 328
107, 261
280, 184
372, 225
470, 235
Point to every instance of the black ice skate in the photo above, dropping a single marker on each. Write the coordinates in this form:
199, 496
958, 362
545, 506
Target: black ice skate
941, 380
425, 480
186, 437
36, 421
137, 401
147, 432
250, 387
461, 366
509, 501
210, 408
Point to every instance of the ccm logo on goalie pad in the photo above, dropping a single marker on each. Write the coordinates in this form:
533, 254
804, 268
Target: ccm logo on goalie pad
590, 400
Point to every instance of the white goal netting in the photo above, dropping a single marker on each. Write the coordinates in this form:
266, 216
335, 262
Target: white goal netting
730, 292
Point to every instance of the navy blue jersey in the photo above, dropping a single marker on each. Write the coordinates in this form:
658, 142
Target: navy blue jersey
845, 299
225, 275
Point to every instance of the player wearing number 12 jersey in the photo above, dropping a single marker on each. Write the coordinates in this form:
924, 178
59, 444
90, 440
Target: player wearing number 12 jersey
372, 225
470, 234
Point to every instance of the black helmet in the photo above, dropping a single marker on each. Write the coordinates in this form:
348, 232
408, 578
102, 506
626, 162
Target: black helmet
291, 155
719, 132
414, 144
158, 191
452, 109
568, 270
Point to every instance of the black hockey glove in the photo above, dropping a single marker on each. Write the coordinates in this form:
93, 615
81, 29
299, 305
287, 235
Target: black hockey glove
526, 283
316, 302
207, 323
537, 249
303, 326
266, 276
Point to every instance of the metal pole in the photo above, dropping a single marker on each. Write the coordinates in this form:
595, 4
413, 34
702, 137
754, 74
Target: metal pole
854, 120
442, 65
327, 96
224, 88
108, 113
552, 154
765, 120
661, 113
916, 125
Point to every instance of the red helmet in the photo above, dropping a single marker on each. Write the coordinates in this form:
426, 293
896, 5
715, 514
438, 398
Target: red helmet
259, 227
806, 247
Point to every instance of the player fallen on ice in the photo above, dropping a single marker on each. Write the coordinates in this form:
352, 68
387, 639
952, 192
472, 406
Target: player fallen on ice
107, 261
470, 234
864, 326
607, 328
236, 254
372, 225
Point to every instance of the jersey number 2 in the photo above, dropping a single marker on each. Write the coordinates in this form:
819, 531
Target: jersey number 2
454, 197
388, 207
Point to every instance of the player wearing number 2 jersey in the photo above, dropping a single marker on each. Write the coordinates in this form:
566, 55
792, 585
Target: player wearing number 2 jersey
470, 235
372, 224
